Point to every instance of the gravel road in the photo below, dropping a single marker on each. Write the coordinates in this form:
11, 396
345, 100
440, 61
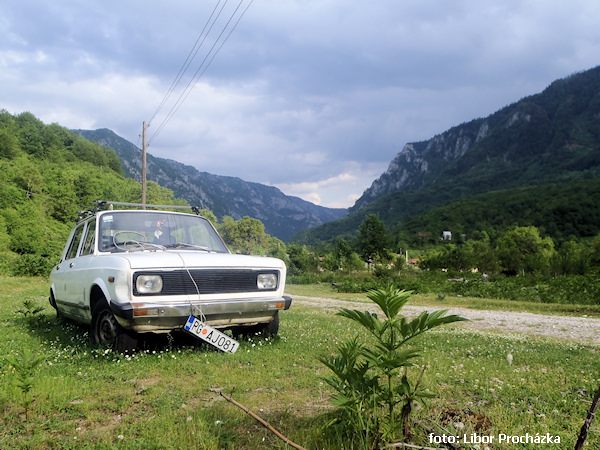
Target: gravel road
580, 329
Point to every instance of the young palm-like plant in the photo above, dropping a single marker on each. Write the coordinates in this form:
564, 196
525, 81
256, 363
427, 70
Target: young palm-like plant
365, 375
25, 367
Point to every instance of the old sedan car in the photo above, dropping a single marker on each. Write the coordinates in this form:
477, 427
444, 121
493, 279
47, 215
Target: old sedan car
140, 271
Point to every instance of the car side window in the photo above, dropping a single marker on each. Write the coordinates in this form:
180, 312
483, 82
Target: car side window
88, 244
74, 245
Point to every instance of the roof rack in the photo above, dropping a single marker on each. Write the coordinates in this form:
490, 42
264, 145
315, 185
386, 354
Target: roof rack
101, 204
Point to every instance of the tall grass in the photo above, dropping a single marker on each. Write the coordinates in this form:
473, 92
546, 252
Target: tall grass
166, 396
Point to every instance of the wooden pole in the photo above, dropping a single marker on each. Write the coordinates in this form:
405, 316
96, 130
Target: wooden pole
144, 165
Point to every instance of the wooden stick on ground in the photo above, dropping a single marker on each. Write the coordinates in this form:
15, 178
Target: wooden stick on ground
586, 424
262, 422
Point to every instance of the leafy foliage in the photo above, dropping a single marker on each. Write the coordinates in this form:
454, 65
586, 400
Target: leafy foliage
562, 211
247, 236
373, 240
365, 374
25, 366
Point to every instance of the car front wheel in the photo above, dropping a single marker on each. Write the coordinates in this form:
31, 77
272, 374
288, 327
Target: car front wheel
107, 331
267, 330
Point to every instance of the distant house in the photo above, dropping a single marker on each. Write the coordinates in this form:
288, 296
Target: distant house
446, 235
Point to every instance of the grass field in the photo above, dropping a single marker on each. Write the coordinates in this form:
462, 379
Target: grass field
166, 396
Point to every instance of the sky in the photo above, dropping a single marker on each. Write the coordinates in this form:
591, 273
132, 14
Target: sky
315, 97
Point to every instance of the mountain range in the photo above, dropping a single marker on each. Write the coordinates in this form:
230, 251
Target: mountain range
283, 216
550, 138
544, 139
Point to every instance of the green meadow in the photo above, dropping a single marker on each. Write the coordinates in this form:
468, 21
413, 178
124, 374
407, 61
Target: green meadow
58, 390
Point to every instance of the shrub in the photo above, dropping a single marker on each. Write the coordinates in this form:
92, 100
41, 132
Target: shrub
32, 265
371, 378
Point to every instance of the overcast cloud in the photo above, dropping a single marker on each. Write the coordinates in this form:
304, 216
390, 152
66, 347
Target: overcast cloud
313, 96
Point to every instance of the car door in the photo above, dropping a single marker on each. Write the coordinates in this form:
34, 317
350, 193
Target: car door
68, 287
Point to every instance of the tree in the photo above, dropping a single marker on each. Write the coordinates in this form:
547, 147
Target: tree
373, 240
571, 259
484, 256
209, 215
595, 252
301, 260
524, 250
9, 144
247, 236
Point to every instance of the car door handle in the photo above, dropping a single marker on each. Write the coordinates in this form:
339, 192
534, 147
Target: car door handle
71, 264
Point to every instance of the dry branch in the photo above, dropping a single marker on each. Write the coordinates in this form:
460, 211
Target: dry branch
262, 422
587, 422
404, 445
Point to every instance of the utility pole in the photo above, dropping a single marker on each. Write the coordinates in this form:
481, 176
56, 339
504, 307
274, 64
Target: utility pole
144, 165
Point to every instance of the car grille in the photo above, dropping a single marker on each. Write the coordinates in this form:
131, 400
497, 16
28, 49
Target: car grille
207, 281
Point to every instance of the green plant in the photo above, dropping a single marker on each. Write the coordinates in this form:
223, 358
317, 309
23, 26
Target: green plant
365, 374
25, 366
30, 310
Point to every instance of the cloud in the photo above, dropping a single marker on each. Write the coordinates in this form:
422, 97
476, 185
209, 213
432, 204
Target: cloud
313, 96
339, 191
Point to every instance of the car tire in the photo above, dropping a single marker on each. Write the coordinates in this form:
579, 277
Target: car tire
269, 329
272, 328
106, 331
52, 301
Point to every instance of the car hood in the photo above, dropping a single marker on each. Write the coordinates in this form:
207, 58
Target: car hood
190, 259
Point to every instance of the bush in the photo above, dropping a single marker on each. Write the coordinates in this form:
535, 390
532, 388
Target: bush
32, 265
304, 278
7, 262
374, 392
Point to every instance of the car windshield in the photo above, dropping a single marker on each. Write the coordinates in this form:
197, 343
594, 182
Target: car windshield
142, 230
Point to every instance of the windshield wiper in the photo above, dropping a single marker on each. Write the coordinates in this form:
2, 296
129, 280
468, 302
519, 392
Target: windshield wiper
184, 245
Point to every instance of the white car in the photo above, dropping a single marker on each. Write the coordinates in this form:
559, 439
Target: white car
141, 271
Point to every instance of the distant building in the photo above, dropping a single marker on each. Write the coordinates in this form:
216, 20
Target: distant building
446, 235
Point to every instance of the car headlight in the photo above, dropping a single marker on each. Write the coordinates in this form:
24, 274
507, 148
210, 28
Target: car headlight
267, 281
149, 284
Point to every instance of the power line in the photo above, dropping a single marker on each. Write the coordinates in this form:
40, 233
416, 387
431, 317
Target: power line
217, 45
188, 60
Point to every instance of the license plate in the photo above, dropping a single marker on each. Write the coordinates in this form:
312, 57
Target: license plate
210, 335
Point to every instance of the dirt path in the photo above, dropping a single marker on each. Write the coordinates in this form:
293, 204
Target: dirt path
580, 329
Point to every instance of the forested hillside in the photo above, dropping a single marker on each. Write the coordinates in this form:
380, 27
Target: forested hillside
47, 175
562, 211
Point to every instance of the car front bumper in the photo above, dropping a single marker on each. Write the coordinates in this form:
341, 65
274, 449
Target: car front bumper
156, 317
